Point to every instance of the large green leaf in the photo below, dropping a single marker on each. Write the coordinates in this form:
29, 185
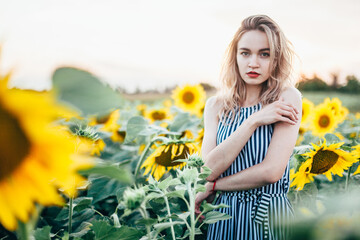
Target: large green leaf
85, 91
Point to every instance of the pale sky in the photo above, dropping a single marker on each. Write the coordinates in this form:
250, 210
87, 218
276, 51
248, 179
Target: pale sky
158, 43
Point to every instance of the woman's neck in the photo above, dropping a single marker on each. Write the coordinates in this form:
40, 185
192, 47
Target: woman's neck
252, 95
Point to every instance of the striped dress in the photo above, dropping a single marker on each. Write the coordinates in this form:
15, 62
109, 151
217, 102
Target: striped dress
256, 213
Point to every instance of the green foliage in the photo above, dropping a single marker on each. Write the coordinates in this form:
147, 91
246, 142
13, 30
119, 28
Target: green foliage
314, 84
352, 85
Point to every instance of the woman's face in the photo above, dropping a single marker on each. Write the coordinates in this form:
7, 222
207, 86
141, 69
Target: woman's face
253, 57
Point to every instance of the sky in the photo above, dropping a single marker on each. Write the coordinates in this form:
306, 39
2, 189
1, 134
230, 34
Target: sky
154, 44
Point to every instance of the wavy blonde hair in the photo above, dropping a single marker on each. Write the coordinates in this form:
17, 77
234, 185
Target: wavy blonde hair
281, 55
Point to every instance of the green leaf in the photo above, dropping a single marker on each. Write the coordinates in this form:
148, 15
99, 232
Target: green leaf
182, 122
177, 193
161, 226
190, 175
102, 188
146, 221
81, 203
111, 171
154, 195
214, 216
85, 91
209, 207
103, 230
81, 230
331, 138
42, 233
165, 183
200, 188
184, 216
134, 126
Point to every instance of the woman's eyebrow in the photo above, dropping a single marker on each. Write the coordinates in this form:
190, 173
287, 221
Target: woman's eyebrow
261, 50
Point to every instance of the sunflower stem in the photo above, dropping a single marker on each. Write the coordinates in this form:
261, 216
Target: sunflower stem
144, 214
192, 211
70, 216
22, 231
347, 179
170, 220
142, 157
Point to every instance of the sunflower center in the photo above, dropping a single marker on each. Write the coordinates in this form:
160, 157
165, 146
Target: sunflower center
165, 158
188, 97
324, 121
14, 145
158, 115
323, 160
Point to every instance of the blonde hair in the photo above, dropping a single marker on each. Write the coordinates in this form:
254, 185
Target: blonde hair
281, 54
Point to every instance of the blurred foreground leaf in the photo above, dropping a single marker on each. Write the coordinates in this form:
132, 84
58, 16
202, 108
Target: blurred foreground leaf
85, 91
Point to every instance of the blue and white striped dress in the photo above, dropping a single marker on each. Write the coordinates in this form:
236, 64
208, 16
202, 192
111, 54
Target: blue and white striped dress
256, 213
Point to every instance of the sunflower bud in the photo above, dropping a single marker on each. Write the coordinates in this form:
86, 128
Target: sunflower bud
133, 198
195, 160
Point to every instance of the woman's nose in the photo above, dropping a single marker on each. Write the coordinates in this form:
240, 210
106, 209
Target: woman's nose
253, 61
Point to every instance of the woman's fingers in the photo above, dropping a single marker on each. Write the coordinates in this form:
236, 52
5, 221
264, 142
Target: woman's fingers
288, 115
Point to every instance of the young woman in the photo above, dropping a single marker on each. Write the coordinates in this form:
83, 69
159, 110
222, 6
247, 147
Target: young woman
250, 133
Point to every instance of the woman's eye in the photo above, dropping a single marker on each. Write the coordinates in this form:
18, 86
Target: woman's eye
265, 54
244, 53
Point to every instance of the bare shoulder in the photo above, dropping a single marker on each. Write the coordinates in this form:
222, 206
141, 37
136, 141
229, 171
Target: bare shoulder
292, 95
213, 103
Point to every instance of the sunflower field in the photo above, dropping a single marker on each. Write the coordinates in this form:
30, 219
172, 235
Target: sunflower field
81, 162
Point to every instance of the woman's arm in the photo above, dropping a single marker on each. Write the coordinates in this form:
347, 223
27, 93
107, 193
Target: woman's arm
219, 158
272, 168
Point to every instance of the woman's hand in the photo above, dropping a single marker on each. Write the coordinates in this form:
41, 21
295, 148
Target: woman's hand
208, 195
278, 111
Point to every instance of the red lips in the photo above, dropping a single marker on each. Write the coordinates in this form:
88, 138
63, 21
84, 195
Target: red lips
253, 74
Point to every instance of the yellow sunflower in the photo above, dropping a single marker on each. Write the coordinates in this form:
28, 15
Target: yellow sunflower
167, 103
141, 108
307, 110
323, 121
343, 114
98, 146
335, 105
200, 137
325, 160
111, 125
158, 115
162, 159
36, 157
190, 98
356, 154
300, 138
357, 115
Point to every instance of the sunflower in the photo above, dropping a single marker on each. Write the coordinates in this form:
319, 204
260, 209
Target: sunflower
334, 104
356, 154
36, 157
190, 98
141, 108
326, 160
200, 137
111, 125
307, 110
324, 120
163, 158
158, 115
167, 103
300, 138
